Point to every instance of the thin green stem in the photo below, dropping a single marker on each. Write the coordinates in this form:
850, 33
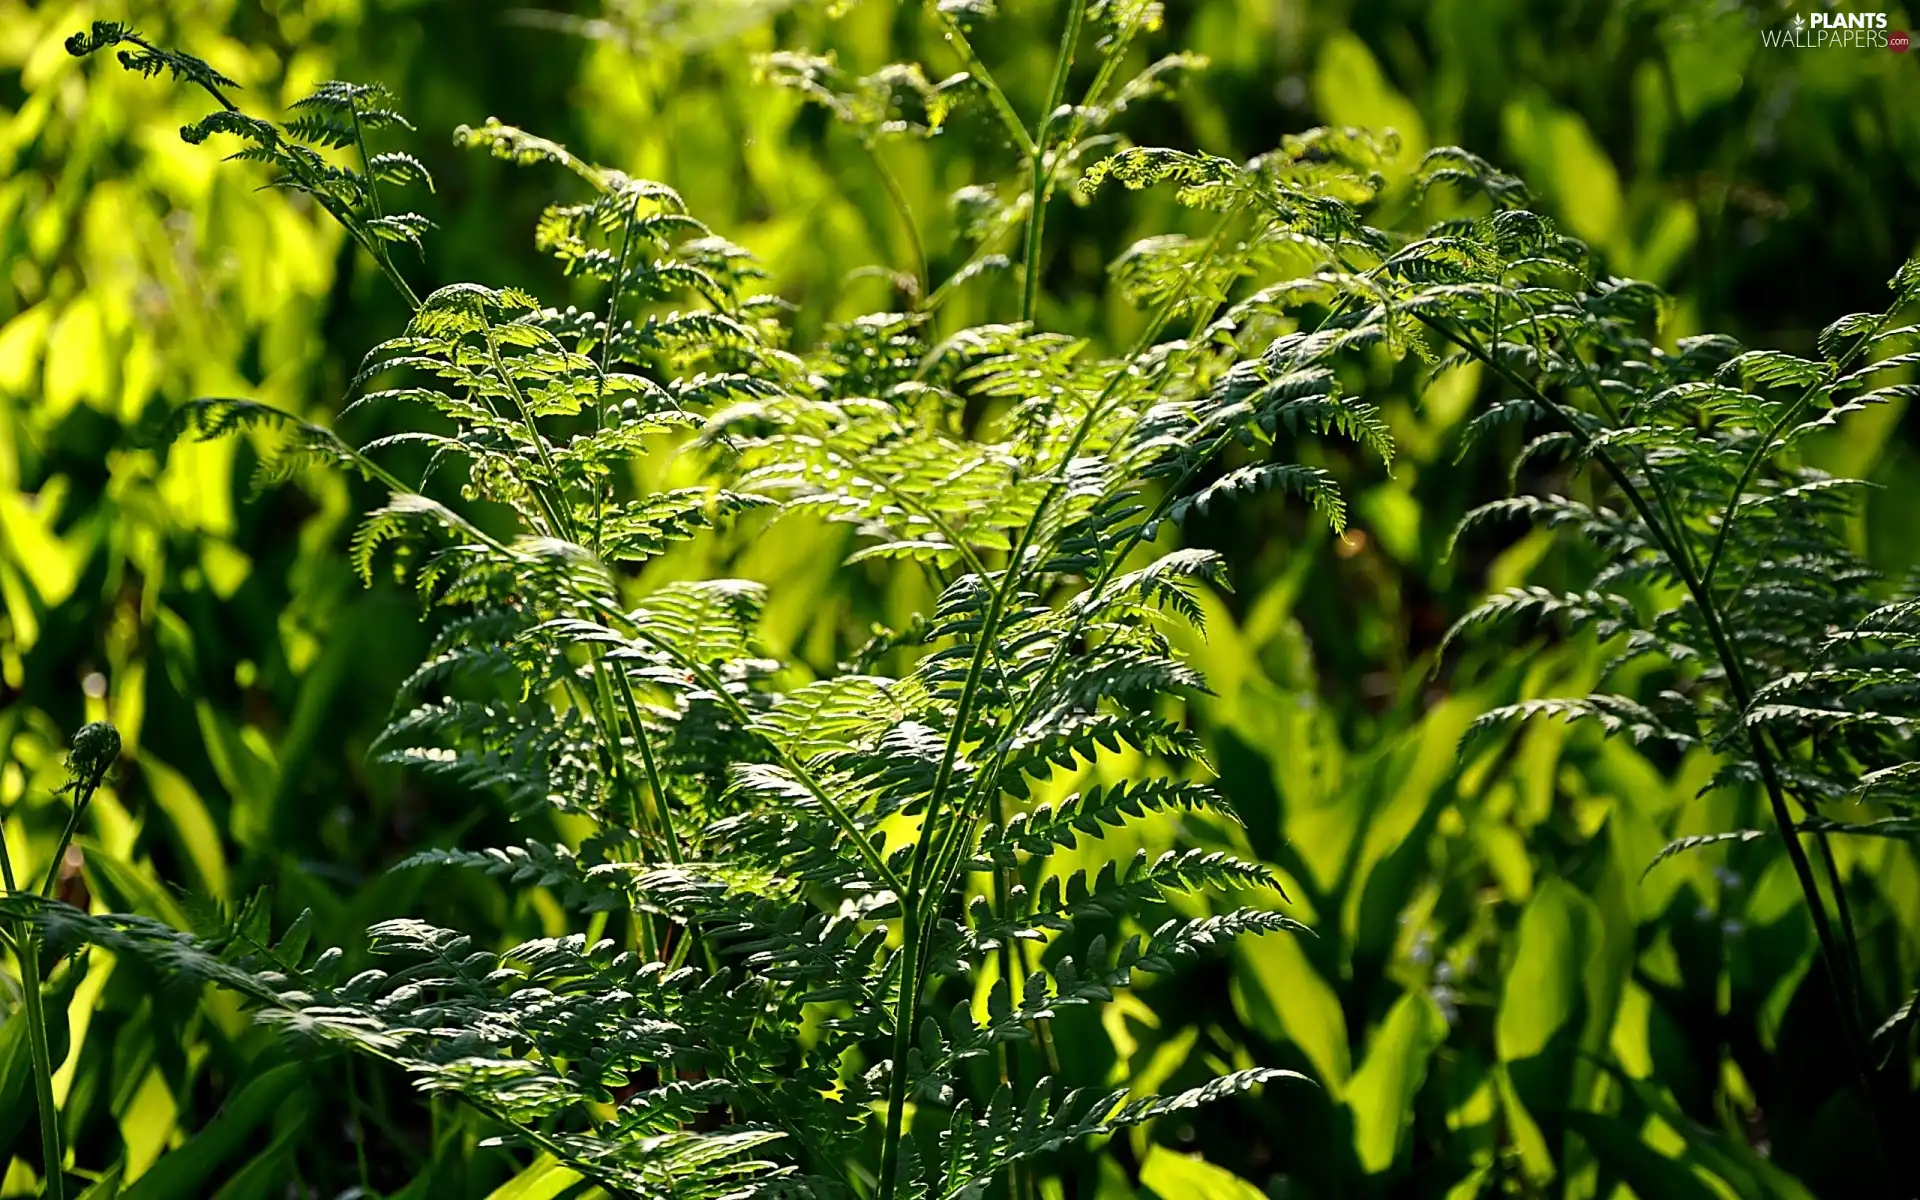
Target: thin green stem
655, 788
379, 252
1041, 170
898, 196
52, 877
991, 245
1676, 528
359, 1129
6, 863
346, 218
1850, 935
600, 703
833, 808
912, 899
26, 948
990, 778
366, 160
913, 505
915, 907
27, 954
554, 509
608, 611
950, 854
606, 358
905, 1005
657, 796
1002, 107
35, 1011
1019, 1180
296, 168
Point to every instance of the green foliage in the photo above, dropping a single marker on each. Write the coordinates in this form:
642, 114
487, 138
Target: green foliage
798, 1031
1510, 987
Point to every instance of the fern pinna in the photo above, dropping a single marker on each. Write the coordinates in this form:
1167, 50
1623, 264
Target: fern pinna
839, 921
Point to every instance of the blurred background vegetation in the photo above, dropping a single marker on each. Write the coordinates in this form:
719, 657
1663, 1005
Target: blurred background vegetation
1471, 915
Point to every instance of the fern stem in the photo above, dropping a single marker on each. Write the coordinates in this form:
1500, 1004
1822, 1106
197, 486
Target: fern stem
1827, 751
1109, 66
60, 850
35, 1012
834, 809
912, 504
380, 254
914, 920
26, 949
600, 703
556, 514
359, 1129
1137, 534
1042, 175
1112, 59
344, 218
605, 363
997, 98
1676, 528
954, 848
1851, 936
990, 778
898, 196
366, 161
1019, 1181
655, 788
904, 1006
657, 808
608, 611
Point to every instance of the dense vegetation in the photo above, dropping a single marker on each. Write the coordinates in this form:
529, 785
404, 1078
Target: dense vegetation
962, 598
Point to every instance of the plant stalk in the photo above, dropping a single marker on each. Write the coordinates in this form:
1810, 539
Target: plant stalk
34, 1009
27, 953
1041, 171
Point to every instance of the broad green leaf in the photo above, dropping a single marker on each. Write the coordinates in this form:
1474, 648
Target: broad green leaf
189, 1169
1544, 991
1380, 1094
1282, 997
107, 1187
1556, 1000
50, 563
17, 1104
267, 1175
1561, 158
1349, 88
193, 826
1170, 1176
543, 1180
1622, 1154
16, 1079
1731, 1159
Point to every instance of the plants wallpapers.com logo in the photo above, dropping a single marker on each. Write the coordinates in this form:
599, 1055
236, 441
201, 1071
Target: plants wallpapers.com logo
1838, 31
